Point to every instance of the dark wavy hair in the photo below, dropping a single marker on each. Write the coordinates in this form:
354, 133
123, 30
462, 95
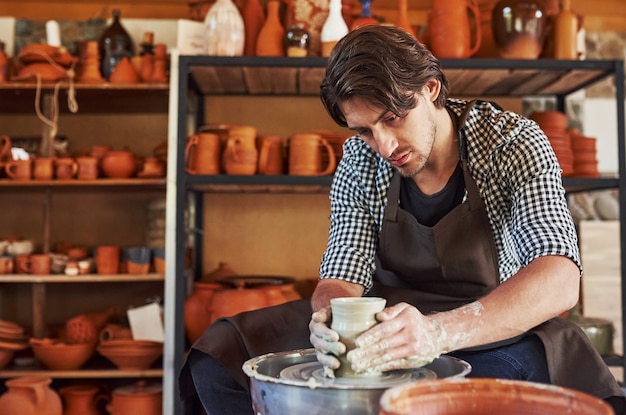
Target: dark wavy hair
384, 65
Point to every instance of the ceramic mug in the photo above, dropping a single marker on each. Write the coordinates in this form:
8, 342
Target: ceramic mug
271, 159
19, 169
43, 168
6, 265
21, 264
351, 317
87, 168
240, 156
202, 154
107, 259
305, 155
37, 264
66, 168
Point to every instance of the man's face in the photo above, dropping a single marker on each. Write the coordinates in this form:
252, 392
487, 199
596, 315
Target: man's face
405, 142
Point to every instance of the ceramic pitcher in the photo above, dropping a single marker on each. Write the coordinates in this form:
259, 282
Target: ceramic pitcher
450, 28
305, 155
30, 395
202, 154
240, 155
271, 160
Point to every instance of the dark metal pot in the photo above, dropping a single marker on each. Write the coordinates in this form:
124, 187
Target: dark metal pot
275, 395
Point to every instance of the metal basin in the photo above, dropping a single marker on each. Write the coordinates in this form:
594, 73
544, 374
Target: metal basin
278, 387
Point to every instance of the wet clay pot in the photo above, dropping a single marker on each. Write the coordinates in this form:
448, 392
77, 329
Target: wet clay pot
81, 400
30, 395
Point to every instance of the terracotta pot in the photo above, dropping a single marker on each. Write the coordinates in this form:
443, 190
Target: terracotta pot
81, 399
198, 309
119, 164
139, 398
30, 395
241, 154
270, 39
487, 396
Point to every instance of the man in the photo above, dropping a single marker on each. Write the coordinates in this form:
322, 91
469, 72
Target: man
455, 213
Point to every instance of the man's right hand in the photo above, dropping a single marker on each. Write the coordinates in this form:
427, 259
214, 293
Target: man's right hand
325, 341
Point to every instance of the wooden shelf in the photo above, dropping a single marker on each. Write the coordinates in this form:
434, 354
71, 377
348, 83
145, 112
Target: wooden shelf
61, 278
75, 184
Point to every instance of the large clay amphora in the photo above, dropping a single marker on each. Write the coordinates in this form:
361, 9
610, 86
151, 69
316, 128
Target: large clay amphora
241, 155
30, 395
81, 399
450, 30
198, 309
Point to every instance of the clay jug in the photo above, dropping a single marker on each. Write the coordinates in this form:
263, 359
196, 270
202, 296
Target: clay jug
271, 160
240, 155
202, 154
450, 28
270, 39
519, 28
30, 395
253, 18
305, 155
81, 400
198, 309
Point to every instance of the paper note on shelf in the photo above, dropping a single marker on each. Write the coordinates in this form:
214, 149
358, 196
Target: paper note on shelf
146, 322
191, 38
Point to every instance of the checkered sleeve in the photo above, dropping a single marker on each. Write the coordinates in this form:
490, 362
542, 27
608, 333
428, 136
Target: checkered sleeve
356, 206
540, 221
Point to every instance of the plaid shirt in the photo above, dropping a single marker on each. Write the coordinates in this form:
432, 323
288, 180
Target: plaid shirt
518, 177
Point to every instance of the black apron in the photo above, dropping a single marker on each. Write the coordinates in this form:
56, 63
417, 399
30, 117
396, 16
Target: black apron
435, 269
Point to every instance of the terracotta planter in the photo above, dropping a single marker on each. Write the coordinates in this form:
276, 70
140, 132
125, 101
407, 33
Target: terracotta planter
487, 396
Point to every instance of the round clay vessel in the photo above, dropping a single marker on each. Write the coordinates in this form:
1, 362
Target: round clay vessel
30, 395
198, 309
81, 399
119, 164
140, 398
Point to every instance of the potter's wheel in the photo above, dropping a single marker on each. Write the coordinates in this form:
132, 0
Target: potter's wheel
313, 372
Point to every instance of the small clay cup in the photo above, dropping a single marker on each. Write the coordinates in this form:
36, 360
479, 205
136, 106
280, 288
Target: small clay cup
39, 264
107, 259
19, 169
6, 265
87, 168
43, 168
66, 168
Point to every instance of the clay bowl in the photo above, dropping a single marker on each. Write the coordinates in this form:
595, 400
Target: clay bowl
550, 119
7, 351
487, 396
57, 355
131, 354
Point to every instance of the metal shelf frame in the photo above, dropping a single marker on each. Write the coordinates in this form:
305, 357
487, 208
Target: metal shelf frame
194, 78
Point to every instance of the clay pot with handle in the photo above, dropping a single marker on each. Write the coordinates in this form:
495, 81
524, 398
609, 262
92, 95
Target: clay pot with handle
450, 28
241, 155
30, 395
305, 155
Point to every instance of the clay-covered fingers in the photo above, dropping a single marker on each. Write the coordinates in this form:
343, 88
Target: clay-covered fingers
324, 340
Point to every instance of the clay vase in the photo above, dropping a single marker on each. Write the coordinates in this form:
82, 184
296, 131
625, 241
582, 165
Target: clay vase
402, 19
450, 28
81, 400
271, 158
159, 73
119, 164
240, 155
198, 309
565, 33
519, 28
202, 154
253, 18
30, 395
225, 31
270, 39
351, 317
366, 17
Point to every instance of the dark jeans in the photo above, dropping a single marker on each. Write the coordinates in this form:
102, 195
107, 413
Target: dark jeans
221, 394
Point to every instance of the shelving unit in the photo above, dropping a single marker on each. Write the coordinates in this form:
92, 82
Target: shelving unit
20, 98
197, 78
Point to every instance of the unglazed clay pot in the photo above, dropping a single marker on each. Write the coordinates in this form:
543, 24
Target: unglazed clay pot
241, 155
198, 309
119, 164
140, 398
81, 399
450, 28
30, 395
